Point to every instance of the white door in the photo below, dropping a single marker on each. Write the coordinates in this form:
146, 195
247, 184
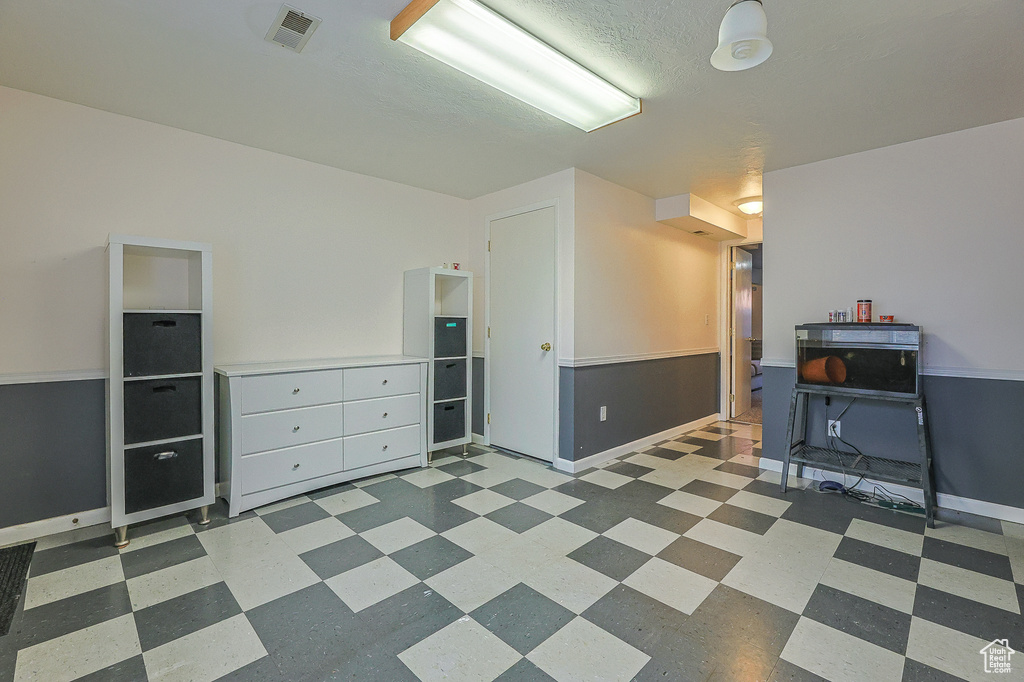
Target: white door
521, 358
741, 330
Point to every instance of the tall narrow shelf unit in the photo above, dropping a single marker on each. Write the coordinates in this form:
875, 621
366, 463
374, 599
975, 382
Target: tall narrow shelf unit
439, 327
160, 455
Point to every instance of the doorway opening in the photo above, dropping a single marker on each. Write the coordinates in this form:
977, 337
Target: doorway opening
746, 333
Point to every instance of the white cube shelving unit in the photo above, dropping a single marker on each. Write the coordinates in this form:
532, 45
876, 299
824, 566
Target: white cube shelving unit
439, 326
160, 447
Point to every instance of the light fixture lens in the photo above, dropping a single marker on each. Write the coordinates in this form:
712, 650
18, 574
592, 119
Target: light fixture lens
742, 40
481, 43
751, 206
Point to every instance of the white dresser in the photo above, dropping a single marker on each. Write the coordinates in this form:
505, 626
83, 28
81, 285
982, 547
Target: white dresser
286, 428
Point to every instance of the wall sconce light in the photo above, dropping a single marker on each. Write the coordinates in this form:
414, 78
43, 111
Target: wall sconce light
742, 40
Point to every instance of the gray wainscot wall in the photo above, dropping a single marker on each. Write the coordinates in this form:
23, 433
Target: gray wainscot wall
977, 433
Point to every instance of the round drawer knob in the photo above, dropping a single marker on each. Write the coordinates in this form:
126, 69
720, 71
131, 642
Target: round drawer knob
384, 383
294, 429
384, 448
295, 390
295, 466
385, 415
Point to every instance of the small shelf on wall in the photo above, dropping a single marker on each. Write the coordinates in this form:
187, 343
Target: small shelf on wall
439, 326
160, 457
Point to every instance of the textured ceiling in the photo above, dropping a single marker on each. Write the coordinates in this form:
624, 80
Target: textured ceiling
844, 77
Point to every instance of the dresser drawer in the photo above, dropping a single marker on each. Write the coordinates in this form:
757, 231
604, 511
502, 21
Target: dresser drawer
268, 392
377, 382
363, 416
290, 465
381, 446
273, 430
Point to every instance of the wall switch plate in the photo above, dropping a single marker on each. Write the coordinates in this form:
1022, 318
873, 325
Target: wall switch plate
833, 428
604, 412
707, 319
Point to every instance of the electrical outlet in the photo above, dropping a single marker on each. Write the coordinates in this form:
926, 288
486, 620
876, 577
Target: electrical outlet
833, 428
604, 412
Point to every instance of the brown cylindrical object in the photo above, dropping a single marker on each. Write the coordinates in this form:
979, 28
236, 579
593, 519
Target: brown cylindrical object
826, 370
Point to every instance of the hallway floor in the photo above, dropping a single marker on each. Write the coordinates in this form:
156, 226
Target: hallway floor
680, 562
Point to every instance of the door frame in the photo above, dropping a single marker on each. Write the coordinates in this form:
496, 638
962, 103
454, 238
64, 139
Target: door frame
725, 322
550, 203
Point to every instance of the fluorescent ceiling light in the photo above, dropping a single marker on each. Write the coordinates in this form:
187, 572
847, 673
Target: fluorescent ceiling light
481, 43
750, 205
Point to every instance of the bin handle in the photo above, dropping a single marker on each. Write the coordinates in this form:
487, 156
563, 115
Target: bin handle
165, 323
449, 407
166, 454
165, 389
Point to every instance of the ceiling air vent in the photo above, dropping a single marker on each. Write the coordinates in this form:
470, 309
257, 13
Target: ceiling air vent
702, 233
292, 28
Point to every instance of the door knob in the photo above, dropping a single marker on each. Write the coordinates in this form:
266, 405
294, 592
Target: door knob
751, 338
545, 346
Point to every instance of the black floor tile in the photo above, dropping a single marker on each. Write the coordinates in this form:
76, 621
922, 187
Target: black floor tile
980, 561
745, 519
338, 557
132, 669
519, 517
582, 490
164, 555
730, 620
293, 517
75, 554
666, 517
787, 672
65, 616
524, 671
720, 430
174, 618
709, 490
710, 562
393, 490
638, 493
879, 558
966, 615
371, 516
639, 620
141, 530
330, 490
439, 516
263, 669
665, 453
862, 618
724, 449
739, 469
375, 662
461, 468
408, 617
599, 514
429, 557
448, 491
522, 617
919, 672
613, 559
627, 469
518, 489
218, 518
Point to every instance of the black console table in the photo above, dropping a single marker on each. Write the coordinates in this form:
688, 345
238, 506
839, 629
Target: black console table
917, 473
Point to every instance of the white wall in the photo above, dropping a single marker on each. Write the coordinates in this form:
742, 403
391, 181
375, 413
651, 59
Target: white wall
556, 188
642, 288
308, 259
931, 230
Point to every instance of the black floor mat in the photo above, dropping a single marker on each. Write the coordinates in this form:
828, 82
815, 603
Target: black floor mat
14, 563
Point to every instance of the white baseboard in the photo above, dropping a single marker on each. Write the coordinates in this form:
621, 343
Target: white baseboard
943, 500
37, 529
593, 460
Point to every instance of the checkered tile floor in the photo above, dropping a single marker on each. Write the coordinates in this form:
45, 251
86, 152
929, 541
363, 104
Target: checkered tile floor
681, 562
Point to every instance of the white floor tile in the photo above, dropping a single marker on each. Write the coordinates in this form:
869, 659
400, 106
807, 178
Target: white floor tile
723, 536
672, 479
969, 584
607, 479
373, 480
464, 651
159, 586
69, 582
519, 555
1013, 535
759, 503
705, 435
725, 478
346, 501
425, 478
867, 583
840, 657
539, 474
283, 504
483, 502
471, 584
681, 447
950, 651
569, 583
749, 460
785, 569
479, 535
886, 536
160, 537
792, 483
370, 583
309, 536
559, 535
583, 652
488, 478
80, 653
677, 587
552, 502
691, 504
72, 536
642, 536
257, 566
968, 537
207, 654
397, 535
649, 461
